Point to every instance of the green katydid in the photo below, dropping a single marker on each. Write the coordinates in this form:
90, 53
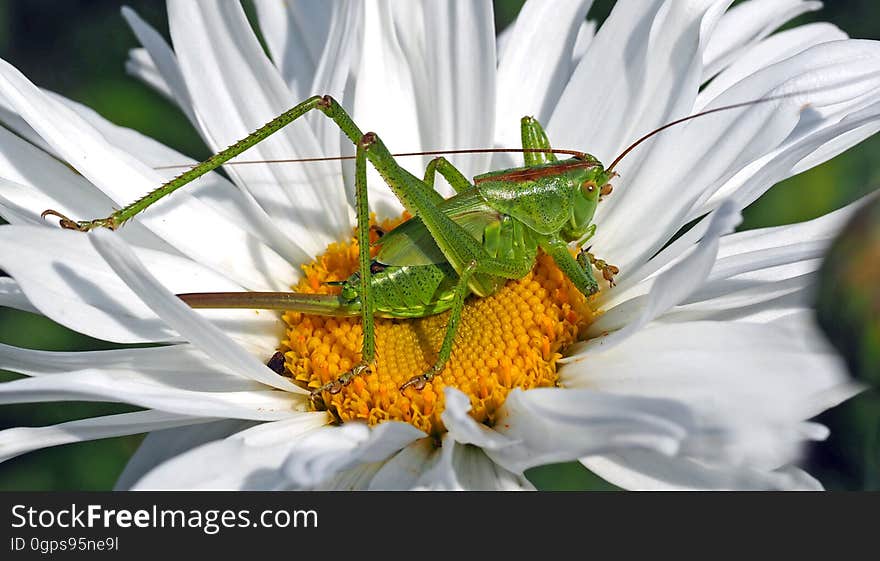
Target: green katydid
471, 243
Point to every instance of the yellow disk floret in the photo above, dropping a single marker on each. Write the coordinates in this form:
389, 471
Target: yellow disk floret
511, 339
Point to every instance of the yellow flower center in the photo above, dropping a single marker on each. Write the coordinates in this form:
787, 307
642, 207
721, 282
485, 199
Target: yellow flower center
511, 339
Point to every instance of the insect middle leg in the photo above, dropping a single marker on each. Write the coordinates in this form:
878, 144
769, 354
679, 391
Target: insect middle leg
368, 346
534, 138
449, 172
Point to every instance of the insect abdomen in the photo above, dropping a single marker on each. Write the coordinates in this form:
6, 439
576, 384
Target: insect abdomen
408, 292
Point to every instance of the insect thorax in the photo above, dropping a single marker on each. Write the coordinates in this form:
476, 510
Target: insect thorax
541, 197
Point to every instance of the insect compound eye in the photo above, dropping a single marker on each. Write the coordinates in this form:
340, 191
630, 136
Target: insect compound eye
588, 187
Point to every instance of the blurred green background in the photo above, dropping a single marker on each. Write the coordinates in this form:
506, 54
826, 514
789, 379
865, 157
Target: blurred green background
78, 48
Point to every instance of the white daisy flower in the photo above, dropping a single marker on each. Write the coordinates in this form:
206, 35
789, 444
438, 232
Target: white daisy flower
700, 369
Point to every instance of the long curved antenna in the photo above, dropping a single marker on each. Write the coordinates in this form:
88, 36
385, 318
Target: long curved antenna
575, 153
694, 116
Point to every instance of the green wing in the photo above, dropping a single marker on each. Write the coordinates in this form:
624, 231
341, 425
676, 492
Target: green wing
411, 242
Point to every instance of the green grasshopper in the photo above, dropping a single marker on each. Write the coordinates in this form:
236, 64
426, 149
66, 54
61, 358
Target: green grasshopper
489, 232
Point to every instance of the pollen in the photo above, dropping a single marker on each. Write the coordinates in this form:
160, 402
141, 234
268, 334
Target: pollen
512, 339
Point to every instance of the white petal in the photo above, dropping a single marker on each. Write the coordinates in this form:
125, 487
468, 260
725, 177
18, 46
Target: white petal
537, 64
249, 460
648, 54
141, 66
36, 181
403, 470
760, 239
763, 273
744, 25
357, 478
385, 98
761, 301
775, 48
23, 163
796, 156
421, 465
835, 79
333, 73
209, 338
502, 39
670, 287
584, 38
555, 425
647, 471
161, 445
13, 121
749, 385
236, 89
17, 441
463, 428
296, 32
838, 89
739, 243
759, 274
454, 87
172, 360
213, 189
11, 296
475, 471
845, 139
189, 226
441, 475
64, 277
425, 82
169, 395
170, 379
322, 454
163, 60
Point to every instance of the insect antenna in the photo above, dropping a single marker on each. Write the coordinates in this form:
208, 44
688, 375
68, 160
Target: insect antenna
575, 153
671, 124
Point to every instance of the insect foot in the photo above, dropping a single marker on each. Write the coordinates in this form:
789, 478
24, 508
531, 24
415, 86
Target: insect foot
336, 385
82, 225
608, 270
418, 382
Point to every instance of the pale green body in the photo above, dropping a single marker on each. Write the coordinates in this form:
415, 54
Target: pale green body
410, 276
471, 243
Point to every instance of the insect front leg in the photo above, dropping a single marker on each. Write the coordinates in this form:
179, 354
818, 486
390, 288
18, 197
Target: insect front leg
579, 272
588, 260
368, 347
449, 172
